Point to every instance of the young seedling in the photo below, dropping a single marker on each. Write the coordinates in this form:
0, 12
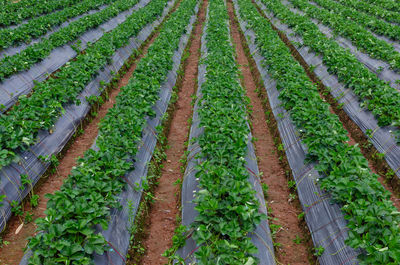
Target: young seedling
319, 251
298, 240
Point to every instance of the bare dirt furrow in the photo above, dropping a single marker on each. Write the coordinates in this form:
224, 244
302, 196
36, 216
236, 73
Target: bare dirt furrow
162, 217
288, 232
12, 253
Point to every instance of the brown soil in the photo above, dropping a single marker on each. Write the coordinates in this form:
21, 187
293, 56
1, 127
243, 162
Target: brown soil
162, 217
282, 208
12, 253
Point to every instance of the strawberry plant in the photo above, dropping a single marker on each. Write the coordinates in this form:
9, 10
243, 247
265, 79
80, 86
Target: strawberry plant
359, 36
376, 25
68, 234
24, 60
15, 13
39, 26
363, 6
391, 5
226, 202
375, 95
373, 221
19, 128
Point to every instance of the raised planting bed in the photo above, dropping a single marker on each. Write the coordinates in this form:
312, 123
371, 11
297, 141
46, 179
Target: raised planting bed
223, 205
37, 27
17, 179
368, 101
108, 180
348, 212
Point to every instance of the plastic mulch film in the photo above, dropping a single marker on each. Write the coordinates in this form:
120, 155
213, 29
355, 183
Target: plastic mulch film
26, 20
118, 233
22, 83
261, 237
51, 144
395, 43
16, 49
324, 219
381, 137
380, 68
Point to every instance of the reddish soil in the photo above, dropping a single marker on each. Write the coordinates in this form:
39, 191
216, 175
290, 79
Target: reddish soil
282, 208
162, 217
12, 253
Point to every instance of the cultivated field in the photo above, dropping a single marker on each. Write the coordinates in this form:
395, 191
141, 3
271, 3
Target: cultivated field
199, 132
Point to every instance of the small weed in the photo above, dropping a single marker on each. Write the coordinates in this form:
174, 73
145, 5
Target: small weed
300, 216
298, 240
319, 251
292, 184
265, 190
28, 217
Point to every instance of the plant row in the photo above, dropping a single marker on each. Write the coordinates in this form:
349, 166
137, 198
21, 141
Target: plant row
15, 13
375, 95
376, 25
20, 127
373, 221
25, 59
227, 207
391, 5
390, 16
41, 25
359, 36
90, 192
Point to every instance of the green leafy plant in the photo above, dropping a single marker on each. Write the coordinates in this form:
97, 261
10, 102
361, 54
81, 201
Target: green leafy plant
3, 242
346, 173
178, 241
363, 6
292, 184
375, 94
360, 37
36, 52
300, 216
319, 251
34, 200
28, 217
16, 208
39, 26
16, 12
265, 189
226, 204
298, 240
91, 190
25, 180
